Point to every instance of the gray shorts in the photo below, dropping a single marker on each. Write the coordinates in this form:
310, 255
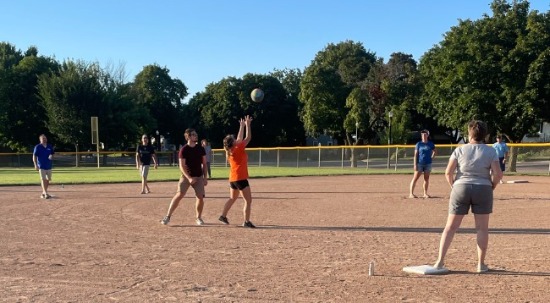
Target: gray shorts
183, 186
45, 174
145, 170
464, 196
423, 168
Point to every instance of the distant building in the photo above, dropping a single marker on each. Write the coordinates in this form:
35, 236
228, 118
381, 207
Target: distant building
542, 136
323, 140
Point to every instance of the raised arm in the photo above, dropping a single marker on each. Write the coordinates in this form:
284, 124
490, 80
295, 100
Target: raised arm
240, 135
247, 122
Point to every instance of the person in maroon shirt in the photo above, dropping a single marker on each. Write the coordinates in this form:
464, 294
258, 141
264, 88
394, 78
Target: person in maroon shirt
192, 164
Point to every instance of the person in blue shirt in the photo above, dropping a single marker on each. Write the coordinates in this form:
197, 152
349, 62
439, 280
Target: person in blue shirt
424, 152
502, 153
208, 151
42, 157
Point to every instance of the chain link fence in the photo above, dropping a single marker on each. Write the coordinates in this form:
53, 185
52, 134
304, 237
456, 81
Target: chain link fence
530, 158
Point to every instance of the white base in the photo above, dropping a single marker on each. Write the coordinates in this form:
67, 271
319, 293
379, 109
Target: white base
425, 270
517, 181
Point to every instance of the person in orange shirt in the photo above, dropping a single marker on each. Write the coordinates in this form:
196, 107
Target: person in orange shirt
238, 175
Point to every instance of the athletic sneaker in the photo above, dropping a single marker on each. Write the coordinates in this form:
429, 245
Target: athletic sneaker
43, 196
248, 224
223, 220
199, 221
166, 220
482, 268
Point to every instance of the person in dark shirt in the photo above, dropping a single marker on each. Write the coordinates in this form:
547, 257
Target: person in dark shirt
144, 153
193, 167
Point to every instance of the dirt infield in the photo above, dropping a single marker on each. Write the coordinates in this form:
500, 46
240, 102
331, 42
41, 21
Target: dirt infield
314, 241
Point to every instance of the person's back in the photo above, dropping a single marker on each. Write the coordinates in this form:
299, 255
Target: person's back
238, 161
474, 164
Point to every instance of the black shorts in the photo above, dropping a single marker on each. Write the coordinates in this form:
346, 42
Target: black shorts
240, 185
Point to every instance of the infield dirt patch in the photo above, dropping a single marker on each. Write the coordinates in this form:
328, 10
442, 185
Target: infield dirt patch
315, 239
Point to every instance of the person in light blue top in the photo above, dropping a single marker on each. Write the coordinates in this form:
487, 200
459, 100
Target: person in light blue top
208, 151
42, 157
424, 152
502, 152
473, 173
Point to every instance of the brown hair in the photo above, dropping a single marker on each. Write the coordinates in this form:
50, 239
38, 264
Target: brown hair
477, 130
188, 133
228, 142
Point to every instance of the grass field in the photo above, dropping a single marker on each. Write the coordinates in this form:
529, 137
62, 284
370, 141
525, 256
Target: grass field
80, 175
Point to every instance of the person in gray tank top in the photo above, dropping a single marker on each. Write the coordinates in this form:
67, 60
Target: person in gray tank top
477, 174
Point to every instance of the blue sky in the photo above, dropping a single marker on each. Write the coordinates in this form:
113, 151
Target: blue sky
203, 41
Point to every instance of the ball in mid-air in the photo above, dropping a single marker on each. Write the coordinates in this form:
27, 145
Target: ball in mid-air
257, 95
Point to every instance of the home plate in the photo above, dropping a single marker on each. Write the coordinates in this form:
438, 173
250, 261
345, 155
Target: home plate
425, 270
517, 181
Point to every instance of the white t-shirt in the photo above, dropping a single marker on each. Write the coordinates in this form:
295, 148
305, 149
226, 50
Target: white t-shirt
474, 163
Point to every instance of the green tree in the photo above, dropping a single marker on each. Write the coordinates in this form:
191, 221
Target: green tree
494, 69
70, 97
219, 107
291, 79
119, 116
162, 96
326, 85
403, 87
79, 91
215, 110
22, 117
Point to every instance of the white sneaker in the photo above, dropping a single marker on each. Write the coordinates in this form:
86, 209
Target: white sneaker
199, 221
165, 220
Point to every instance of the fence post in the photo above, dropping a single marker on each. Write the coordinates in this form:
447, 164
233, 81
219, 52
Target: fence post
297, 157
368, 157
396, 156
343, 156
388, 164
260, 158
319, 165
278, 156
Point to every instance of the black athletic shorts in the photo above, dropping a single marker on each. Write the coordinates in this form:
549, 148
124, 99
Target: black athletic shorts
240, 185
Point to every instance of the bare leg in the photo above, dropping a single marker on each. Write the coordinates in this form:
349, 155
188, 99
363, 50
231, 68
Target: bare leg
233, 195
413, 183
453, 223
45, 184
199, 204
247, 209
174, 203
426, 184
482, 228
143, 184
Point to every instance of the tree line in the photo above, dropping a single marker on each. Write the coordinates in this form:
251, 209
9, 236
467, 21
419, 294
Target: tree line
496, 69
